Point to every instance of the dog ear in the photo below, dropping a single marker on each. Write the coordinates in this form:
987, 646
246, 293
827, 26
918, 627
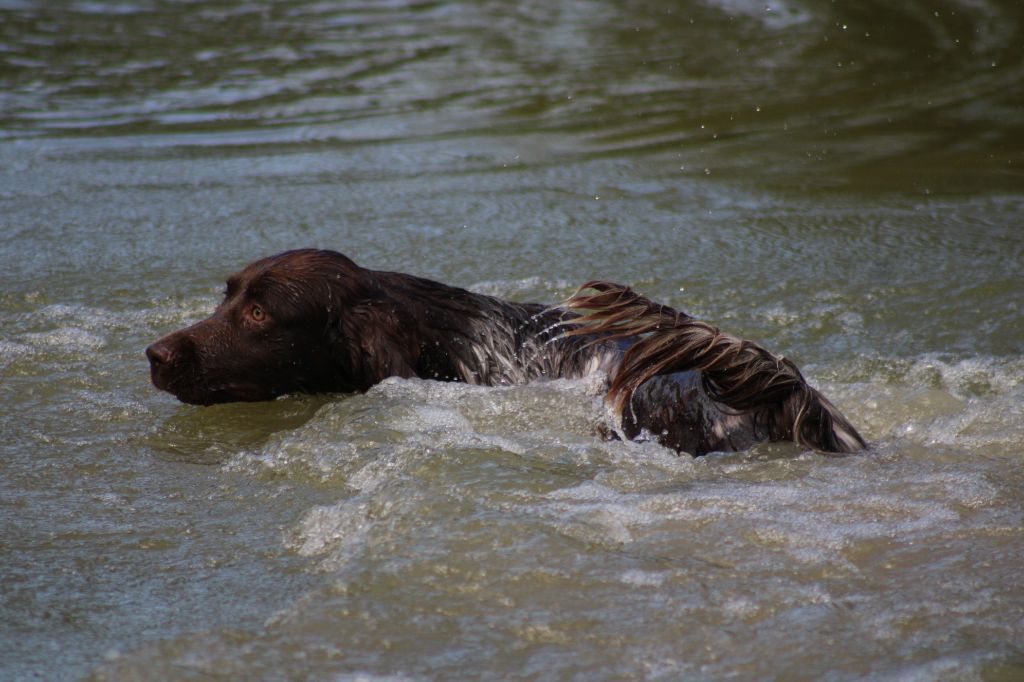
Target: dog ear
376, 344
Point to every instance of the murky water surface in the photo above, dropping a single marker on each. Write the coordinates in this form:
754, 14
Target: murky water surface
842, 181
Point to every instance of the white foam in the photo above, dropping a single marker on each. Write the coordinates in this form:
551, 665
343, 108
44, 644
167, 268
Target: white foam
944, 668
638, 578
372, 677
105, 406
813, 520
764, 512
533, 289
967, 377
774, 14
330, 528
11, 351
587, 491
66, 339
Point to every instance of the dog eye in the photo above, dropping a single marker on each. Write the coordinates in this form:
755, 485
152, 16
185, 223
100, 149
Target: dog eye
257, 313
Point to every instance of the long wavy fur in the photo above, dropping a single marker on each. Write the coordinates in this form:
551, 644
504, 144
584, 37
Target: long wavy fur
738, 374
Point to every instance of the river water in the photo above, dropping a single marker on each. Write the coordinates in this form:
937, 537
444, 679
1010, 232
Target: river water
843, 182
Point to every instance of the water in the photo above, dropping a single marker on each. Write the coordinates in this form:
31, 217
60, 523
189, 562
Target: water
843, 184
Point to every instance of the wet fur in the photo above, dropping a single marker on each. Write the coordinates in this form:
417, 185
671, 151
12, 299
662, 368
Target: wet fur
314, 321
757, 395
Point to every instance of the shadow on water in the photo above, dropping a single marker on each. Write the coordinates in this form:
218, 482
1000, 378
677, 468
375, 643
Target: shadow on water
211, 435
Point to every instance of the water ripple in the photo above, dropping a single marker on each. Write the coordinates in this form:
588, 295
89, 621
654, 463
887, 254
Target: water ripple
842, 87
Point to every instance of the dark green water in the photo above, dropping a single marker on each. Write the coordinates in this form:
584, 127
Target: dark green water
842, 182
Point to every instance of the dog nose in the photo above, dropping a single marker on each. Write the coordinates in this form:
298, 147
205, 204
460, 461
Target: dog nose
159, 353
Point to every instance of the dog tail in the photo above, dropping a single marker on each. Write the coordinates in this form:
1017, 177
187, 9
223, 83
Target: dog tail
739, 374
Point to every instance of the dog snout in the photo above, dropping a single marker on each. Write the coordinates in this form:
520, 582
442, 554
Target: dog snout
160, 353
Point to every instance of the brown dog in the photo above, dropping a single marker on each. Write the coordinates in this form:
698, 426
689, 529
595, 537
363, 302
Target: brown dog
311, 321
